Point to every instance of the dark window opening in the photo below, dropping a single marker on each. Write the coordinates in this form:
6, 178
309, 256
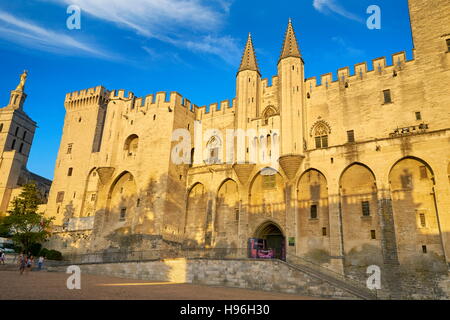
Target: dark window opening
387, 96
1, 127
236, 212
313, 211
423, 222
69, 172
138, 203
17, 131
424, 249
321, 142
60, 196
123, 213
324, 232
418, 116
448, 45
69, 148
21, 148
365, 205
351, 136
373, 234
13, 144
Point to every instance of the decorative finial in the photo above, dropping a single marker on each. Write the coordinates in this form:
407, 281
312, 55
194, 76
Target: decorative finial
23, 79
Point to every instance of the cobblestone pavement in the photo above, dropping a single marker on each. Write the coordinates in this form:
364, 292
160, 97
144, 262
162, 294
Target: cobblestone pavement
51, 285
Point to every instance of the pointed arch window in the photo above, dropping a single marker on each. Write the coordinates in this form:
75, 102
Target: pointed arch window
320, 132
269, 112
131, 145
213, 147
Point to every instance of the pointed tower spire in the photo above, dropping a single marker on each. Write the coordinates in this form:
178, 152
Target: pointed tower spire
290, 44
248, 61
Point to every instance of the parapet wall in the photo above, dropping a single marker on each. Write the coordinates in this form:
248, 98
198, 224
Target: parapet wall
361, 72
266, 275
82, 98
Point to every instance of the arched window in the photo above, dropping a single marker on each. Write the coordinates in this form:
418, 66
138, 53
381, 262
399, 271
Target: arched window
131, 145
320, 131
269, 112
213, 147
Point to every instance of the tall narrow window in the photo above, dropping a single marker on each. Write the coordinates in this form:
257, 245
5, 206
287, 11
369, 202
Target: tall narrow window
313, 211
423, 222
324, 231
69, 172
24, 135
365, 206
21, 148
17, 131
1, 127
387, 96
418, 116
13, 144
351, 136
423, 172
60, 197
373, 234
448, 45
69, 148
123, 214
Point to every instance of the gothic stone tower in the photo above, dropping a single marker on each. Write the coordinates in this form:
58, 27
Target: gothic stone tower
16, 136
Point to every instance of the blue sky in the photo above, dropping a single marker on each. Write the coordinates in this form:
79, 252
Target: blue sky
190, 46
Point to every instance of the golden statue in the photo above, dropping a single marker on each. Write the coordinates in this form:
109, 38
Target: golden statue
23, 79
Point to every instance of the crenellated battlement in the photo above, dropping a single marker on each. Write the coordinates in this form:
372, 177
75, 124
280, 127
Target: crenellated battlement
120, 94
265, 82
360, 72
215, 109
97, 95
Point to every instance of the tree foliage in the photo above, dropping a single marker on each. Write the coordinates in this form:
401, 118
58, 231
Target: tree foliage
23, 223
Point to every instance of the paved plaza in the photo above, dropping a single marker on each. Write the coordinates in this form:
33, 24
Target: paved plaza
52, 285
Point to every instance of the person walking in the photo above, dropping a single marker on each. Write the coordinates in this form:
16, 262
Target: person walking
29, 264
2, 257
22, 263
40, 263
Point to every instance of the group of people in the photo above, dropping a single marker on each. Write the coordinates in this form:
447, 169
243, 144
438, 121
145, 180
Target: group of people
26, 263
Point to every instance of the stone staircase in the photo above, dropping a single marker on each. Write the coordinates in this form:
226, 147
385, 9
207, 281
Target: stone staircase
331, 277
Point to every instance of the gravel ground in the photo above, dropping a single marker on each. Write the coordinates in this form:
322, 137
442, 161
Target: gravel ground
52, 286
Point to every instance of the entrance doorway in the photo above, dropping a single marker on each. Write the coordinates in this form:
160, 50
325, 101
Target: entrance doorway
274, 237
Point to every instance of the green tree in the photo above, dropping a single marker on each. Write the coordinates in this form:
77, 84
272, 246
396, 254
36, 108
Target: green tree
25, 225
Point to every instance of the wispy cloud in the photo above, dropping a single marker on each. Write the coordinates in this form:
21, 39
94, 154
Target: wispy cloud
346, 49
191, 24
31, 35
327, 6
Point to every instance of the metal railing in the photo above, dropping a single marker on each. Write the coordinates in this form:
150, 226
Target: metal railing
321, 270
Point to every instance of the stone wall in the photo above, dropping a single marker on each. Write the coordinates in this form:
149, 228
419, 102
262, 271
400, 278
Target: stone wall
264, 275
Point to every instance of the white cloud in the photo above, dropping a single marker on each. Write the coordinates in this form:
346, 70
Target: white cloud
32, 35
326, 6
189, 24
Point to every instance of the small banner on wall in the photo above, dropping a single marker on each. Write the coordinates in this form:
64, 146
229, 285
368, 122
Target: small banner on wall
291, 242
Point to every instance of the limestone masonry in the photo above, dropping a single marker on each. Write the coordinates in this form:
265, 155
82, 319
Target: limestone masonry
363, 176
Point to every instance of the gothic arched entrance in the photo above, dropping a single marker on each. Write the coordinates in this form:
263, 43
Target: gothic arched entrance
274, 237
